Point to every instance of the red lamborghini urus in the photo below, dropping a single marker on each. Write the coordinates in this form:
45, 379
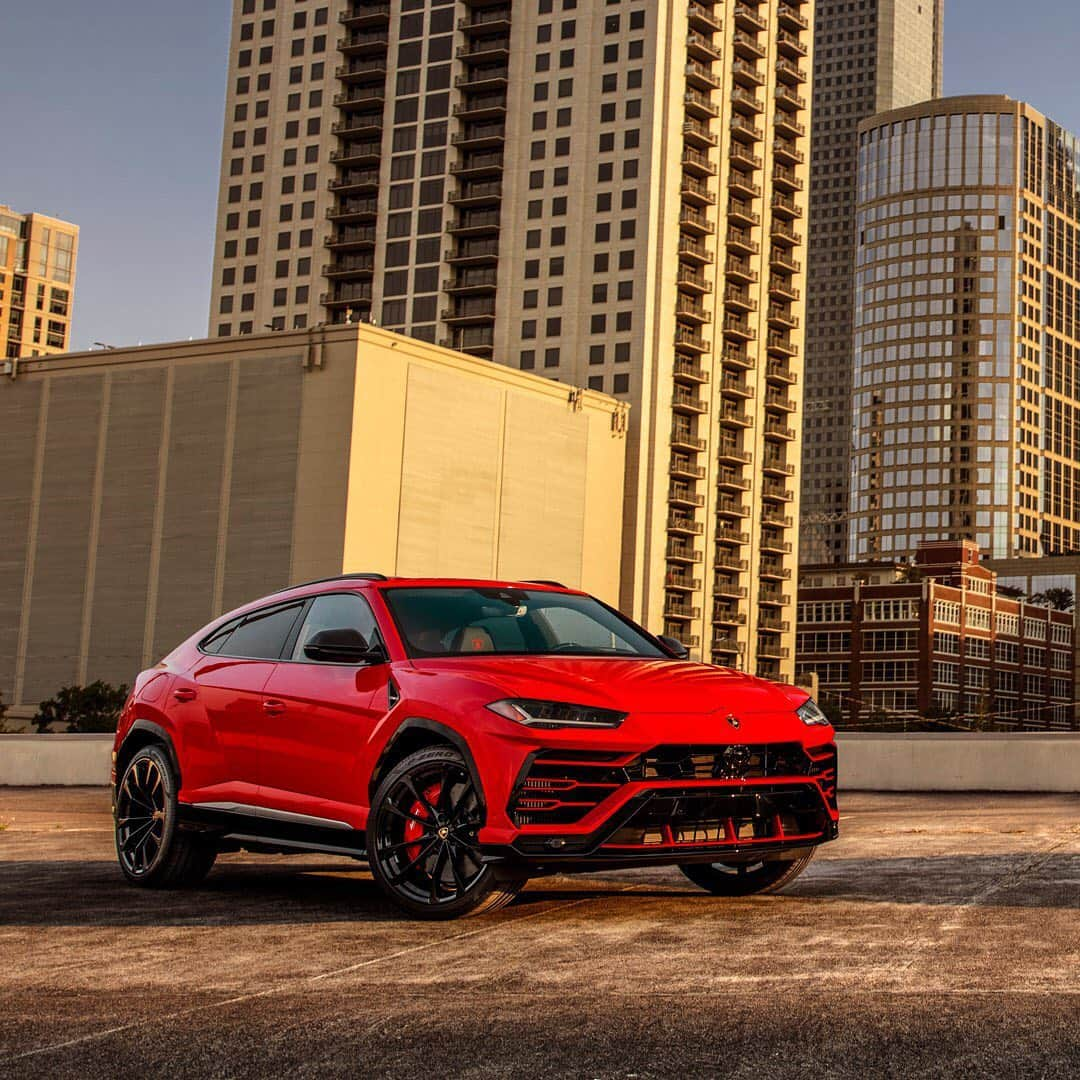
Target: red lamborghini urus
461, 737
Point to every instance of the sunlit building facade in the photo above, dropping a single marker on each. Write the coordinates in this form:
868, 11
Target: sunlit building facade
966, 374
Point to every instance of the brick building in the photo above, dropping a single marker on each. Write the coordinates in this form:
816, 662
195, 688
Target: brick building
934, 638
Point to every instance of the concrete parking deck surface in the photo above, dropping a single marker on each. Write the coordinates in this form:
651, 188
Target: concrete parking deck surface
939, 937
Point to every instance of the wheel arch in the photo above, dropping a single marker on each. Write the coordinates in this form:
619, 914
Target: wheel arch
146, 733
418, 733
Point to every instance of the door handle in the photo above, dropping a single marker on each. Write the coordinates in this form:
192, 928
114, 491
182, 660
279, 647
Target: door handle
185, 693
273, 707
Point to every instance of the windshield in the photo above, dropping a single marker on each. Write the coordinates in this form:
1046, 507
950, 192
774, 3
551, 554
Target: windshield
456, 621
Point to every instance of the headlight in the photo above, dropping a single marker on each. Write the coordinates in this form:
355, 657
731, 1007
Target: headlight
809, 713
555, 714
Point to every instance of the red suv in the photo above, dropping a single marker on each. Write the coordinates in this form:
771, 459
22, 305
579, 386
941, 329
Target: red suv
461, 737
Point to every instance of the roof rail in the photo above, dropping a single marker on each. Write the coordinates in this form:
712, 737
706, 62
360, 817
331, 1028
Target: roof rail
543, 581
336, 577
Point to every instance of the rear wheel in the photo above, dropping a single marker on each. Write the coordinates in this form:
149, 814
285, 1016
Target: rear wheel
422, 839
746, 878
152, 850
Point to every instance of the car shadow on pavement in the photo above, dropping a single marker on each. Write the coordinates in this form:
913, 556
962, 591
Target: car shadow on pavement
92, 893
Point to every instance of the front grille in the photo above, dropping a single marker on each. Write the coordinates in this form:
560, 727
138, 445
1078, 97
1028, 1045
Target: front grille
561, 786
725, 818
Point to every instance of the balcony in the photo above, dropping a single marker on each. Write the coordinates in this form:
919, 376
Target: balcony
738, 328
787, 125
732, 416
776, 466
745, 130
682, 552
773, 598
485, 163
700, 104
730, 563
684, 525
703, 19
475, 340
685, 338
770, 516
775, 544
726, 588
740, 270
788, 98
786, 151
471, 310
740, 240
742, 183
690, 371
781, 287
728, 453
790, 18
747, 46
347, 295
351, 237
777, 492
739, 298
735, 385
726, 645
726, 615
770, 625
692, 220
684, 400
354, 181
475, 223
731, 479
696, 192
678, 580
483, 77
353, 210
365, 125
361, 98
780, 343
485, 50
778, 400
471, 280
771, 652
696, 133
746, 74
735, 355
785, 178
727, 535
479, 136
694, 251
784, 206
690, 309
365, 42
684, 440
790, 45
349, 266
772, 570
741, 152
361, 71
700, 47
357, 153
746, 102
789, 72
782, 233
365, 15
740, 213
780, 259
481, 106
684, 495
486, 20
747, 18
480, 193
680, 466
780, 315
701, 76
473, 252
729, 507
696, 163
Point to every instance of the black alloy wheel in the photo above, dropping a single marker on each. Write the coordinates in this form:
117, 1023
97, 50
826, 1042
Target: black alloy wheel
152, 850
422, 839
746, 878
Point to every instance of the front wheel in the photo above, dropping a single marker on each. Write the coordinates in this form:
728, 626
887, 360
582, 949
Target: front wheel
422, 839
152, 850
746, 878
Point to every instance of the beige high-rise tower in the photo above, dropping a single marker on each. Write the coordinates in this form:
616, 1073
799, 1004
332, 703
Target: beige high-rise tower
37, 283
612, 195
868, 57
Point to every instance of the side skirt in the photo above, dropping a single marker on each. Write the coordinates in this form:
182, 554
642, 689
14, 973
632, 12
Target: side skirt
239, 827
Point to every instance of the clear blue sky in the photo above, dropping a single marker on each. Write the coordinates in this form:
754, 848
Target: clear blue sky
112, 119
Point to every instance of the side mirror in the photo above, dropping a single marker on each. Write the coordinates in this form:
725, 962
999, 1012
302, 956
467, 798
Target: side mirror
344, 646
674, 646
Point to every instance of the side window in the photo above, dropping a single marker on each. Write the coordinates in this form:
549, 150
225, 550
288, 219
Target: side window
261, 636
337, 611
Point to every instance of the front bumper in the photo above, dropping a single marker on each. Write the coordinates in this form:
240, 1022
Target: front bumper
673, 804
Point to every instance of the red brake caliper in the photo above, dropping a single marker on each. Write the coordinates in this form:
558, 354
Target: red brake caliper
413, 829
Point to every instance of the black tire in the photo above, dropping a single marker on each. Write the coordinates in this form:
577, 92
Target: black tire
421, 839
152, 851
746, 879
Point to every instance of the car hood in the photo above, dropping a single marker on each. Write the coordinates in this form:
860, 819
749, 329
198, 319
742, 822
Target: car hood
633, 686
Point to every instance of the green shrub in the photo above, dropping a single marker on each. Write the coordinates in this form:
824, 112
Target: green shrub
83, 709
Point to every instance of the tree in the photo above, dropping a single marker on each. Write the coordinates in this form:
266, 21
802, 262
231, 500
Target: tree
1014, 592
92, 708
3, 714
1060, 599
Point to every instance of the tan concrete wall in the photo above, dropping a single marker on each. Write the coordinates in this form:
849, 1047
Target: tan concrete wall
960, 762
463, 467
